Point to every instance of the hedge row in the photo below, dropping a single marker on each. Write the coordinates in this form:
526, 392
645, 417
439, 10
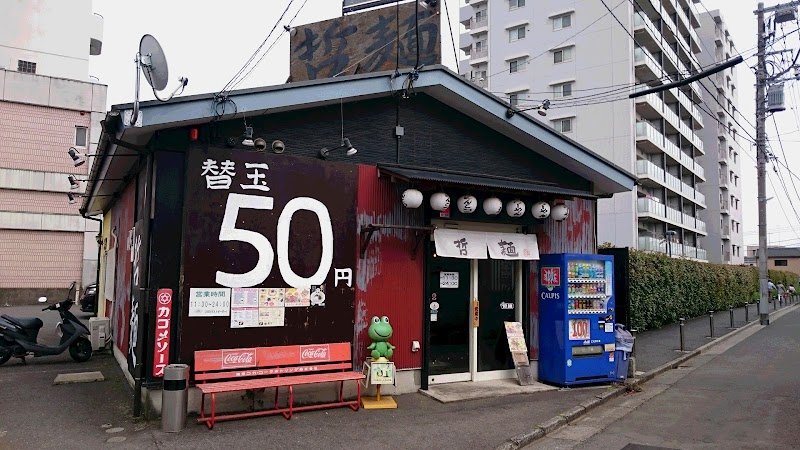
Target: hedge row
664, 289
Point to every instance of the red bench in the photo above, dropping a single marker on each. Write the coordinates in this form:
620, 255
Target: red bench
219, 371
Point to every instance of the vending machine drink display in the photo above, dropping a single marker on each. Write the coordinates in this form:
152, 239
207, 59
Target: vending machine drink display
576, 319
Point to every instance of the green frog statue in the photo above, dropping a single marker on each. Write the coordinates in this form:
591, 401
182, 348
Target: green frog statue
380, 331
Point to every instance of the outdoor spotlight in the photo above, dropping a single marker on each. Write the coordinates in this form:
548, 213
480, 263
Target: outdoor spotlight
350, 149
77, 158
71, 198
73, 182
346, 145
248, 137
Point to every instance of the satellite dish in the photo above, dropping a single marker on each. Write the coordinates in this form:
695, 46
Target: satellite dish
154, 62
151, 60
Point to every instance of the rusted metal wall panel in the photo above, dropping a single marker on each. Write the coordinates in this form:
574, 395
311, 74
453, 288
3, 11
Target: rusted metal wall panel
122, 223
389, 282
576, 234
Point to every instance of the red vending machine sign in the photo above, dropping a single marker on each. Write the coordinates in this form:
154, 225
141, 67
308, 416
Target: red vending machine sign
163, 321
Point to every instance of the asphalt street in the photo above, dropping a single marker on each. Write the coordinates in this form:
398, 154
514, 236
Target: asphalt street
744, 393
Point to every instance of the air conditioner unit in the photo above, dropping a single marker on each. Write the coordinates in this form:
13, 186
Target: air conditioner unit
100, 328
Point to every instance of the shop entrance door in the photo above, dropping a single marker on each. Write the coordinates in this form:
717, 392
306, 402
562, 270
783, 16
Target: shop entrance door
498, 295
449, 285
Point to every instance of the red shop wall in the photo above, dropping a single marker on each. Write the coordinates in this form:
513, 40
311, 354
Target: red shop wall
577, 234
389, 282
122, 223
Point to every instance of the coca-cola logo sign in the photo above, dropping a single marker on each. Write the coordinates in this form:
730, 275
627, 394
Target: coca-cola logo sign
234, 359
314, 353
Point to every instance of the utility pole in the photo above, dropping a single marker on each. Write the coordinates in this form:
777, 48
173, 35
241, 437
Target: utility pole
761, 162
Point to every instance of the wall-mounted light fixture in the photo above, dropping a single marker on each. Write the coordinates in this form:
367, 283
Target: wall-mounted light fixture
346, 145
77, 158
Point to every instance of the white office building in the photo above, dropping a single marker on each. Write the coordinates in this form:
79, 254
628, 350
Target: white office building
579, 57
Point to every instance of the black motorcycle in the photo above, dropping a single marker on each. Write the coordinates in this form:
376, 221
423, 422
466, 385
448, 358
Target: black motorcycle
18, 335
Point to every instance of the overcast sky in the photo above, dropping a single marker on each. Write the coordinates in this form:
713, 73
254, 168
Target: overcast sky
210, 44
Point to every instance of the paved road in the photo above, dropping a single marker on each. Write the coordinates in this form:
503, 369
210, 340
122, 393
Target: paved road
744, 393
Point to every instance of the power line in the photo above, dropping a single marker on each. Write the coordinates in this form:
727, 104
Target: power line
253, 56
450, 24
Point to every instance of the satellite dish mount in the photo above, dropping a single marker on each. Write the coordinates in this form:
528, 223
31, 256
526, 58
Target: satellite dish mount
151, 61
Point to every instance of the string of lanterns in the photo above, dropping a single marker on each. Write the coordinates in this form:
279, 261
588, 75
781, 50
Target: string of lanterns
492, 206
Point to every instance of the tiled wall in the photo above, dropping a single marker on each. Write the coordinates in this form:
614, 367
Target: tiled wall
39, 259
36, 202
37, 137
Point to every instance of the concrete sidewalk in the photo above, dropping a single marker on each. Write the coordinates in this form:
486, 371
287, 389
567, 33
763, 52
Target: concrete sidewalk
97, 415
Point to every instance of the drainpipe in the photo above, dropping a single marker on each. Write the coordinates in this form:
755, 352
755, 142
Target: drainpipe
99, 250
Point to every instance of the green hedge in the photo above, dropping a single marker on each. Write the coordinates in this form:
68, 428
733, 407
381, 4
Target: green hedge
664, 289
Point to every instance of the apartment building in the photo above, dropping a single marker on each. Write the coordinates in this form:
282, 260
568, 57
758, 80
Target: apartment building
579, 57
724, 155
48, 103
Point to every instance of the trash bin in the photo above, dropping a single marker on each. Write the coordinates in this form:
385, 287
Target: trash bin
623, 347
174, 398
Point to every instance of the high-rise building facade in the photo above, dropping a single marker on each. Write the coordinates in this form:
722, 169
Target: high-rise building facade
586, 60
48, 103
724, 155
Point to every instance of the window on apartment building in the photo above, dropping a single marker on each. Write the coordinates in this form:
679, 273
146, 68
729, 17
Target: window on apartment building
562, 55
81, 136
480, 16
514, 4
561, 22
513, 99
481, 46
516, 33
781, 262
566, 125
26, 66
562, 90
517, 65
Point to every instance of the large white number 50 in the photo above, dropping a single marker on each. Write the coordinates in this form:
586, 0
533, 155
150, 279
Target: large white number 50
266, 254
229, 232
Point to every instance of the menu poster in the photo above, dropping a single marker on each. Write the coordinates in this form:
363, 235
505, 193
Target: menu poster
298, 297
271, 297
244, 307
271, 316
516, 339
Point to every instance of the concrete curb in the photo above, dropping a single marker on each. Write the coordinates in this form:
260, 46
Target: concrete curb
543, 429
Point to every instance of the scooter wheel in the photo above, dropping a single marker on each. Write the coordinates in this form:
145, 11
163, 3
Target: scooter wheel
5, 355
81, 350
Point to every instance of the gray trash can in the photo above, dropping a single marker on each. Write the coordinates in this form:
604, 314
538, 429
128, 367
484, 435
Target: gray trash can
174, 398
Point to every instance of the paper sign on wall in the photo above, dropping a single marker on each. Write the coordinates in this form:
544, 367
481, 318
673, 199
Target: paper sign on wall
209, 302
448, 280
298, 297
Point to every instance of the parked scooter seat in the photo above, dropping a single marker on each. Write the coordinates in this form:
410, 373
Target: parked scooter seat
28, 323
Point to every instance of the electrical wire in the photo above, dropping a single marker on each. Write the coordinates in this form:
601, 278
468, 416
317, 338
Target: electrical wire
269, 49
255, 53
452, 37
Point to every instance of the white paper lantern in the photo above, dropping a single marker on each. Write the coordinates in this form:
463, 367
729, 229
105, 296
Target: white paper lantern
412, 198
467, 204
560, 212
515, 208
492, 206
440, 201
541, 210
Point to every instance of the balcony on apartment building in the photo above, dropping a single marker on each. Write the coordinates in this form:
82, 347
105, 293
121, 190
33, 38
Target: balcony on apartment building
651, 140
725, 206
656, 177
723, 180
726, 257
722, 152
652, 107
725, 231
648, 207
651, 244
